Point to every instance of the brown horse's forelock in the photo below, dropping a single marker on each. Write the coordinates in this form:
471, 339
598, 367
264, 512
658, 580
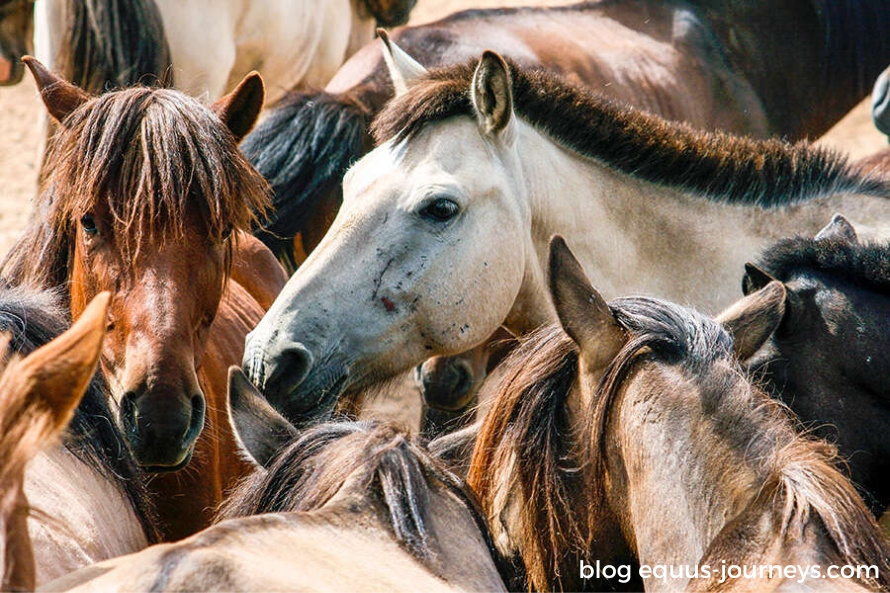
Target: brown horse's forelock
313, 468
149, 156
716, 166
523, 446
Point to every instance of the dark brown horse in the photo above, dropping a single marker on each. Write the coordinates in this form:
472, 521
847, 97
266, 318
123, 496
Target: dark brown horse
147, 196
829, 359
16, 27
635, 437
790, 68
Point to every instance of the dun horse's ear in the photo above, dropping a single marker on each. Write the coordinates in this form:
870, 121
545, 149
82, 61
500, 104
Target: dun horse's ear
880, 102
582, 312
493, 94
60, 96
259, 429
56, 375
754, 279
403, 69
838, 229
753, 319
240, 109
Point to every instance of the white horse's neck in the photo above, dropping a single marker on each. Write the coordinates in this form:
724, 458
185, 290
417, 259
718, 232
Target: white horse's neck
634, 237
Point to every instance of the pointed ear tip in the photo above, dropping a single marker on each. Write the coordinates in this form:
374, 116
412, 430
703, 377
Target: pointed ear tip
383, 35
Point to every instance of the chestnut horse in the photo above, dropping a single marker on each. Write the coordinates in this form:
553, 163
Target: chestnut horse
38, 396
789, 68
341, 507
147, 196
442, 235
630, 435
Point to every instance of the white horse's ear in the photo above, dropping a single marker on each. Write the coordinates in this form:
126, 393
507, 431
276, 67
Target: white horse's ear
582, 311
838, 229
59, 96
753, 319
259, 429
403, 69
493, 95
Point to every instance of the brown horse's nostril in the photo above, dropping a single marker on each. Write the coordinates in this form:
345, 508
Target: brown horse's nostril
196, 423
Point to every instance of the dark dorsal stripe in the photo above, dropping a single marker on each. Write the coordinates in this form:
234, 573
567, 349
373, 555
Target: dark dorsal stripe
718, 166
866, 265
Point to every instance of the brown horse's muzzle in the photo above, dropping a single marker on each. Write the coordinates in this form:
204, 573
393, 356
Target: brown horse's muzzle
161, 427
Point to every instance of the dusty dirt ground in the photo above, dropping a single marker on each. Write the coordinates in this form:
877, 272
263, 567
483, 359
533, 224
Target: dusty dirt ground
19, 137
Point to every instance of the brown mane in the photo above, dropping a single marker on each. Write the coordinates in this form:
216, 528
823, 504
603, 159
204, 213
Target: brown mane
522, 446
149, 156
718, 166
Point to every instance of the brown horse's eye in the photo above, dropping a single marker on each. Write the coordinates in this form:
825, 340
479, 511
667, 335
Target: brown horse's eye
89, 225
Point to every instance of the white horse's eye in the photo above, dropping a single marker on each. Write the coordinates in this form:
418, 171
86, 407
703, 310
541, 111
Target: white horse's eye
440, 210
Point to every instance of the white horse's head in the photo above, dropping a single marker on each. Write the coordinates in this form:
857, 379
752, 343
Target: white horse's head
426, 256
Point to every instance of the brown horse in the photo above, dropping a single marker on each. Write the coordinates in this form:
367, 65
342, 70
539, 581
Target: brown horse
38, 396
633, 436
790, 68
148, 197
341, 507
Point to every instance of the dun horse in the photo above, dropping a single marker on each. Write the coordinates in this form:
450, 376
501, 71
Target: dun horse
87, 498
716, 64
148, 197
829, 358
635, 437
38, 396
442, 234
345, 507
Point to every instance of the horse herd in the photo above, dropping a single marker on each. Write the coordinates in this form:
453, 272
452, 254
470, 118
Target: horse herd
474, 199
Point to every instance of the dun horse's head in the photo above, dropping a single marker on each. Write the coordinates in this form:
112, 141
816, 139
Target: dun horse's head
144, 188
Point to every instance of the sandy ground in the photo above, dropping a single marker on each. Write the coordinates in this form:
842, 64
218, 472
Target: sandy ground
19, 136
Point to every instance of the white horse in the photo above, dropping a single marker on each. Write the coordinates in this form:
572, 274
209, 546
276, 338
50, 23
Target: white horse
213, 44
443, 232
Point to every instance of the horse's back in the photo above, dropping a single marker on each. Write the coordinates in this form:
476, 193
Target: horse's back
78, 516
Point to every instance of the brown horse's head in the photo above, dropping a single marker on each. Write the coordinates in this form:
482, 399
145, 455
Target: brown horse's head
16, 33
143, 191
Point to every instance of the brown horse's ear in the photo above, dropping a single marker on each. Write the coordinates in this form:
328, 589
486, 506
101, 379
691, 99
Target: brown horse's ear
240, 109
753, 319
492, 94
582, 312
60, 96
754, 279
839, 229
259, 429
402, 68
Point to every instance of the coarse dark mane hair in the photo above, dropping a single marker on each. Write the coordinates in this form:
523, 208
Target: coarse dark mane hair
313, 468
523, 446
113, 44
149, 156
721, 167
32, 318
865, 264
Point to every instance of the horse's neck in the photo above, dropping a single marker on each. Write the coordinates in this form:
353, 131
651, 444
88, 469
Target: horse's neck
802, 97
79, 516
634, 237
